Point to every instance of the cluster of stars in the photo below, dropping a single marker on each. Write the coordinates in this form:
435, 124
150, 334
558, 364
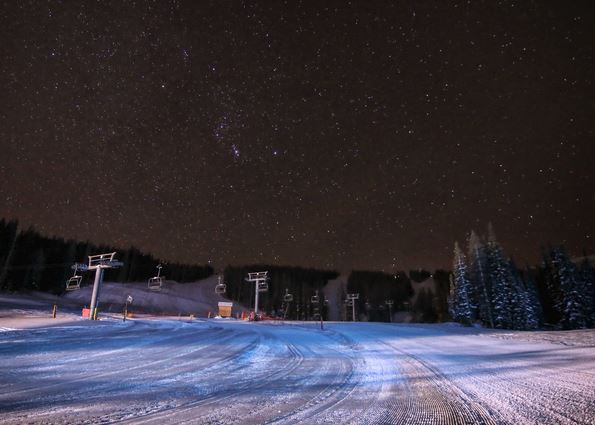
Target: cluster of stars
339, 137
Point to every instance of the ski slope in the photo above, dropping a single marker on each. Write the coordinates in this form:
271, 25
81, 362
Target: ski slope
196, 298
223, 371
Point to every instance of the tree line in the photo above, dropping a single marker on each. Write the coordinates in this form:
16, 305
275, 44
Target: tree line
375, 289
301, 283
30, 261
487, 287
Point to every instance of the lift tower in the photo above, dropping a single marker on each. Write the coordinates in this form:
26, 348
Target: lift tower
352, 298
99, 263
389, 304
260, 285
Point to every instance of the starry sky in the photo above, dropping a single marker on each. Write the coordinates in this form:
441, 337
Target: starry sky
334, 134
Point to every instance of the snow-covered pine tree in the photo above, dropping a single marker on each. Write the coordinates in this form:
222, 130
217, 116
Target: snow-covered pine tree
502, 283
460, 302
451, 297
572, 307
587, 275
533, 297
524, 316
553, 298
478, 275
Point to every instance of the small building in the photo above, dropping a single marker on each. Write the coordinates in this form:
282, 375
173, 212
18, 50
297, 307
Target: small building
225, 309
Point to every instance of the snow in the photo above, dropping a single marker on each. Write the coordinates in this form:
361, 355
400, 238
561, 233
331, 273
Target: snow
579, 337
174, 298
183, 370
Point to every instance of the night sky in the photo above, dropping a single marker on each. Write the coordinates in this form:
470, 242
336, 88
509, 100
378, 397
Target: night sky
336, 134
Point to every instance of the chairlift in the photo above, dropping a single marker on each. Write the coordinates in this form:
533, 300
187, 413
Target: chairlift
315, 299
263, 286
74, 282
155, 283
220, 288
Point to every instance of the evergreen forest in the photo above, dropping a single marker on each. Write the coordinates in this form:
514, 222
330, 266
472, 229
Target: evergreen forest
30, 261
487, 287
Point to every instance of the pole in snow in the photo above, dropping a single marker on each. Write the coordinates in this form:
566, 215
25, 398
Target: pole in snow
128, 301
389, 304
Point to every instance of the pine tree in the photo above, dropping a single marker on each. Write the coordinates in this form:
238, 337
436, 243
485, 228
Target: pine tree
37, 269
533, 298
553, 297
587, 276
524, 316
572, 303
478, 275
460, 302
502, 283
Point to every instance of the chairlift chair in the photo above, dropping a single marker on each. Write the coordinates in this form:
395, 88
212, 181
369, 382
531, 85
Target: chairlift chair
287, 297
155, 283
74, 282
315, 299
263, 286
220, 288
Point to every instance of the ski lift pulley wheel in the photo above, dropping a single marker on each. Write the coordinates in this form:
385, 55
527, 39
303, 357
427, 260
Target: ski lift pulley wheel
74, 283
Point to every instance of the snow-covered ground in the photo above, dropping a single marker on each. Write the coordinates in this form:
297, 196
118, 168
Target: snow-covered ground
179, 370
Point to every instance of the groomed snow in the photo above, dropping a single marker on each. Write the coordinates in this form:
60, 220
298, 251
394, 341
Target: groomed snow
224, 371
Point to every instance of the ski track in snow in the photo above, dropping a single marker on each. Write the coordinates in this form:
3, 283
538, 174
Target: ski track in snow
227, 372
